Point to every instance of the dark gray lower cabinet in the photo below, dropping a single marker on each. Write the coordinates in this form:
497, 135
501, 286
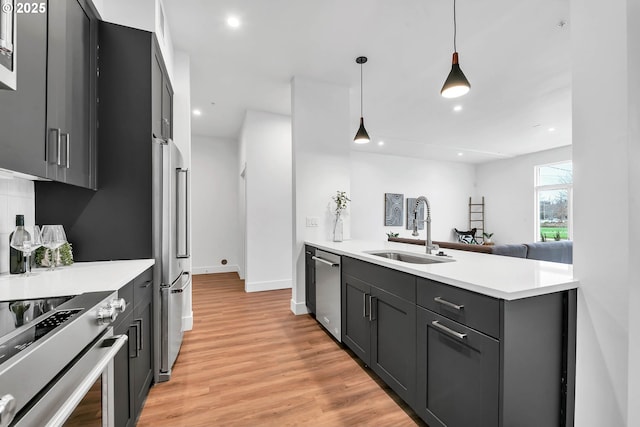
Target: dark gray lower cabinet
310, 279
133, 365
380, 327
458, 371
460, 358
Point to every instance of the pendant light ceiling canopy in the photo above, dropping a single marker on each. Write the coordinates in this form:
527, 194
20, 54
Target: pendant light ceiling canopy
456, 84
362, 137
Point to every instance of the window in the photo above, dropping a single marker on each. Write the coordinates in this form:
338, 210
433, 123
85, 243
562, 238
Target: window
554, 191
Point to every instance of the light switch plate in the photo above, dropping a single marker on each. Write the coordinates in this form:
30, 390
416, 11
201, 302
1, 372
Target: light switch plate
312, 221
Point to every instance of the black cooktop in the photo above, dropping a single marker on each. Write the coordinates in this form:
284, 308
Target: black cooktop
39, 313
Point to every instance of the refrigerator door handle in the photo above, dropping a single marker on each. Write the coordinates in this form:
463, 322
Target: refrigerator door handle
182, 206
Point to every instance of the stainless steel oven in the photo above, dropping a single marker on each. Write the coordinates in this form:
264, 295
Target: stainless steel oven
57, 369
7, 44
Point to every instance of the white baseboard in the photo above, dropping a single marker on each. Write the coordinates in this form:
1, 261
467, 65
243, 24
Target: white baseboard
267, 286
187, 322
216, 269
298, 308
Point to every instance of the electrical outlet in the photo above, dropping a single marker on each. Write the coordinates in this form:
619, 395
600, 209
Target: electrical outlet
312, 221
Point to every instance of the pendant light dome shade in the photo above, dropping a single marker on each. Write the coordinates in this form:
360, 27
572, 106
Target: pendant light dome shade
362, 137
456, 84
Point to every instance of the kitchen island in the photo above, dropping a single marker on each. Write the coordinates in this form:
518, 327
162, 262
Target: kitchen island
465, 339
492, 275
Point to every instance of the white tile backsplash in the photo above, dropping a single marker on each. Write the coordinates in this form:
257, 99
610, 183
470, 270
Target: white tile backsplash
16, 197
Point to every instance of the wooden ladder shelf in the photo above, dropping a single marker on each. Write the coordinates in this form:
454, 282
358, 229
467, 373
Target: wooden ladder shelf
476, 218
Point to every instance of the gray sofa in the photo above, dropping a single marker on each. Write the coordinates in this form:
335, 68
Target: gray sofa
556, 251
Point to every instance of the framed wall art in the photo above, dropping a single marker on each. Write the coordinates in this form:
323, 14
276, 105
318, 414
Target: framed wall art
393, 209
411, 204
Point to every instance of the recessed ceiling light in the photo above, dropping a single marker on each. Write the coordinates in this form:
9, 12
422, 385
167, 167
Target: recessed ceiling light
381, 143
552, 129
233, 21
457, 108
197, 112
460, 154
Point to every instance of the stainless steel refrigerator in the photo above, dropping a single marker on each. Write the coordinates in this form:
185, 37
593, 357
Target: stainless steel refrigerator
140, 207
171, 246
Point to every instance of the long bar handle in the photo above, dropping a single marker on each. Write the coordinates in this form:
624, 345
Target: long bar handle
364, 305
183, 223
373, 307
68, 152
59, 148
324, 261
449, 331
47, 143
448, 304
140, 337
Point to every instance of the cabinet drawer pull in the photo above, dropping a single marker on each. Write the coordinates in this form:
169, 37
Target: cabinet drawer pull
449, 331
448, 304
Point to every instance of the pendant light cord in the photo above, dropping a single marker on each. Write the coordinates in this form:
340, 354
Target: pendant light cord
361, 114
455, 27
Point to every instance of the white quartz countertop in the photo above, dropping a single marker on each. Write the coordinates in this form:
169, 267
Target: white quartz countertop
493, 275
75, 279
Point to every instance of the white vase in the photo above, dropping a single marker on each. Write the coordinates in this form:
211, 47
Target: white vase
337, 230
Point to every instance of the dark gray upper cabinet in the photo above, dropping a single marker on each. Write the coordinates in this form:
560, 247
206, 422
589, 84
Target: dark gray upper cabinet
162, 108
23, 111
167, 108
71, 93
49, 123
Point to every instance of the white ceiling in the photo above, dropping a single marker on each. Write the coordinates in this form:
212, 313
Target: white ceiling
514, 53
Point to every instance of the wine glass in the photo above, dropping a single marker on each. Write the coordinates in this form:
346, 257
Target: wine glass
26, 242
53, 237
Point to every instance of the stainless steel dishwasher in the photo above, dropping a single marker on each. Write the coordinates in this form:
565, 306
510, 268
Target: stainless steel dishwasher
328, 292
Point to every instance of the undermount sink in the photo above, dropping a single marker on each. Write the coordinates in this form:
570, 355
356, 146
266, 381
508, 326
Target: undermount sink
411, 258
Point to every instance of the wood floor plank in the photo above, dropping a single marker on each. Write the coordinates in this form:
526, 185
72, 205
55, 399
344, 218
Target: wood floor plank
249, 361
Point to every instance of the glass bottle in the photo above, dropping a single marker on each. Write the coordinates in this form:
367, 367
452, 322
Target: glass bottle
17, 260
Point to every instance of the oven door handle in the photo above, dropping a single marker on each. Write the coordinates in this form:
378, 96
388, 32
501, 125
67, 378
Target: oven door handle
115, 342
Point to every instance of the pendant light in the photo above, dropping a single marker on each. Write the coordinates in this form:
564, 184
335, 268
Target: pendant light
362, 137
456, 84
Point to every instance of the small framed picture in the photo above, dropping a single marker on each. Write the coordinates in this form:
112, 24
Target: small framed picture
411, 205
393, 209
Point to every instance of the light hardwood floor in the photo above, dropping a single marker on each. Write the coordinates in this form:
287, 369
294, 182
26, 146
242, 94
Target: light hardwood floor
250, 362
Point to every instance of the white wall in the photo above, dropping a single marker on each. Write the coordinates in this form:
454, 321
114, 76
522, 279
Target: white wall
447, 185
321, 150
16, 197
508, 188
267, 142
605, 159
633, 154
215, 223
